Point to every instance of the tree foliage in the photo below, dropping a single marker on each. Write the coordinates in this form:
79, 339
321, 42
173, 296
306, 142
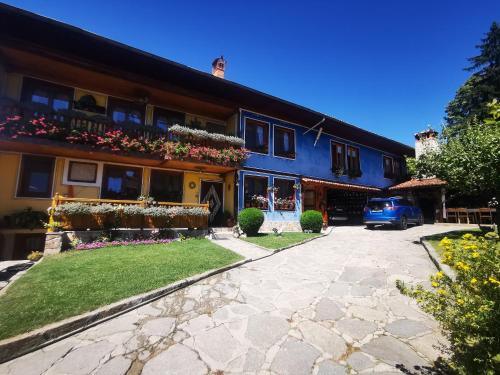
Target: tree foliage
470, 162
481, 88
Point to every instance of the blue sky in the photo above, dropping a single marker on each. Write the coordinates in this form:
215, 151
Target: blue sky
386, 66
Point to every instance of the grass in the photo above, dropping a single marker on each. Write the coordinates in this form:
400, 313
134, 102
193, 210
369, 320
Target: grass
273, 242
454, 236
75, 282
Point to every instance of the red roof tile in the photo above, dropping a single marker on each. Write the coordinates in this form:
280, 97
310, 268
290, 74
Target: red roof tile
416, 183
339, 185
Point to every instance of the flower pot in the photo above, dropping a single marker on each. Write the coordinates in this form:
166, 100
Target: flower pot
132, 221
105, 221
157, 222
81, 222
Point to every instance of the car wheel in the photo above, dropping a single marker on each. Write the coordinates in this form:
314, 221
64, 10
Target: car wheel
420, 220
370, 226
403, 224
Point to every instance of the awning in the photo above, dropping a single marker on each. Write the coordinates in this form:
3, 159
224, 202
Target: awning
343, 186
419, 183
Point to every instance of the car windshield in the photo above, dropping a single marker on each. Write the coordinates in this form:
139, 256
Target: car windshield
379, 205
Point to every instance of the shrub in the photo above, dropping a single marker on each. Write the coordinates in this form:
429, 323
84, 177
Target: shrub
103, 209
28, 219
250, 220
35, 256
72, 209
133, 210
467, 307
311, 220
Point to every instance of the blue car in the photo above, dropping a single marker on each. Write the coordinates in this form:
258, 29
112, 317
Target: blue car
395, 211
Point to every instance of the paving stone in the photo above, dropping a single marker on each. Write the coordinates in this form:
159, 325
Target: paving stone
323, 338
430, 345
82, 360
115, 366
361, 291
359, 361
328, 309
339, 289
394, 352
357, 329
294, 358
200, 323
330, 368
217, 344
158, 327
406, 328
367, 313
263, 330
177, 360
253, 361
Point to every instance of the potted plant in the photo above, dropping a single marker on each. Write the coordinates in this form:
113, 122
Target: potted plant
105, 215
75, 216
157, 217
132, 216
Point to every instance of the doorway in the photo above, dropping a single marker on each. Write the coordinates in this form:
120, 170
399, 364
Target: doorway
212, 192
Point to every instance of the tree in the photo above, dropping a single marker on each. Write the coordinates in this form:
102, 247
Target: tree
481, 88
469, 162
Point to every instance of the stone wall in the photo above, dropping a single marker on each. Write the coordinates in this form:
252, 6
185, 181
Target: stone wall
284, 226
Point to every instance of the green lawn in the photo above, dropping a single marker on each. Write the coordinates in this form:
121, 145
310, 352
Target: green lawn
454, 235
271, 241
74, 282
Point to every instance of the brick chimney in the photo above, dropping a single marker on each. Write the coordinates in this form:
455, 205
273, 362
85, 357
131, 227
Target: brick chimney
218, 66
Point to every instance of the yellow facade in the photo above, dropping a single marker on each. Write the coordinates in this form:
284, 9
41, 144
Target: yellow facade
11, 162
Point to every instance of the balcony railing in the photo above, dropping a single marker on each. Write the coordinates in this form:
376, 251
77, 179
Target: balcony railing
177, 143
99, 214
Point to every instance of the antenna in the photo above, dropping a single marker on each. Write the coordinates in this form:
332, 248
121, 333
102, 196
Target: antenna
319, 123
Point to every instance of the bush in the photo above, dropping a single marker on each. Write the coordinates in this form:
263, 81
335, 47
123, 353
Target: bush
250, 220
35, 256
468, 307
311, 221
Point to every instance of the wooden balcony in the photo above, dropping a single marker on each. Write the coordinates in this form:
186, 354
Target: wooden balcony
120, 218
68, 133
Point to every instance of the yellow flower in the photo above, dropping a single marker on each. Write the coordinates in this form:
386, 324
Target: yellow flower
439, 275
435, 284
493, 280
475, 254
468, 236
445, 242
460, 301
473, 280
442, 292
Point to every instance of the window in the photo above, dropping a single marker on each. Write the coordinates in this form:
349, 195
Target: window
163, 118
284, 194
212, 127
353, 161
255, 193
121, 182
257, 136
35, 177
125, 111
56, 97
338, 158
284, 142
398, 168
388, 167
166, 186
82, 172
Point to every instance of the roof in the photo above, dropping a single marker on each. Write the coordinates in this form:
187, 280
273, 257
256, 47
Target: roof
419, 183
340, 185
41, 34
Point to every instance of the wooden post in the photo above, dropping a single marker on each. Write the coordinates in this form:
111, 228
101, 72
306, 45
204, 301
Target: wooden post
55, 202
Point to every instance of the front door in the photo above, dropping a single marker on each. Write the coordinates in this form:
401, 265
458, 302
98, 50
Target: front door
213, 194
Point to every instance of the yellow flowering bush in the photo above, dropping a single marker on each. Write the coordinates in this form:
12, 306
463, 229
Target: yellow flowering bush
468, 305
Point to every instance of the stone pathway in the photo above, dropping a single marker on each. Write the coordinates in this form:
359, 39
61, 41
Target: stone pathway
245, 249
326, 307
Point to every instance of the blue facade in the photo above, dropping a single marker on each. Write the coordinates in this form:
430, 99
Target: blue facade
310, 161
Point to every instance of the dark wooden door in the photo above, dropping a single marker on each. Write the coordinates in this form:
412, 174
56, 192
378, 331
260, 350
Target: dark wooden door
213, 194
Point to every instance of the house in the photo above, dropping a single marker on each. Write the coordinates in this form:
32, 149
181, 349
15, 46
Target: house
108, 133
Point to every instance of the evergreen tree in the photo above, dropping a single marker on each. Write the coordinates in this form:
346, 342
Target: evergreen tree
481, 88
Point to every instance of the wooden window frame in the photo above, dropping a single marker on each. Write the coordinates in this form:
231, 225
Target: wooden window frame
21, 191
178, 173
104, 184
353, 173
333, 153
129, 106
294, 199
389, 174
266, 178
31, 84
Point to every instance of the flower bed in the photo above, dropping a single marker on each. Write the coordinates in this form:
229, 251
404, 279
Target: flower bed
226, 150
81, 216
101, 244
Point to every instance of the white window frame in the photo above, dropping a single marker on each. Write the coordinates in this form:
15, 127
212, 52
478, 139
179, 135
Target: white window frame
97, 183
294, 141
